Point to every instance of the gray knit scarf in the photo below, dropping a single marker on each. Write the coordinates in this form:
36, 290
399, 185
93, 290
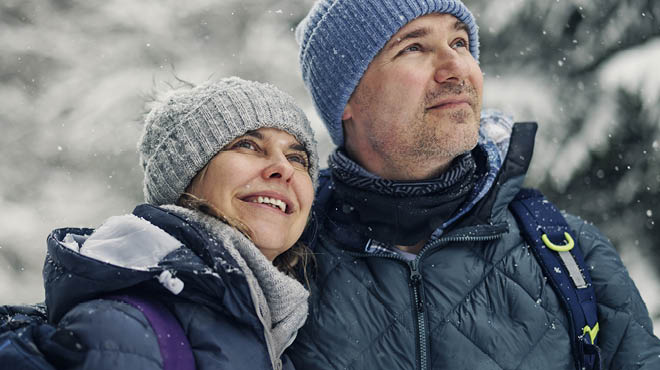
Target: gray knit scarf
280, 301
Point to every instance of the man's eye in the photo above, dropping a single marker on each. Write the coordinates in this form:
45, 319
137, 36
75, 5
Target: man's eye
413, 47
460, 43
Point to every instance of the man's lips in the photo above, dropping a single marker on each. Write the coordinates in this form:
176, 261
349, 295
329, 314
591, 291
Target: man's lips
450, 103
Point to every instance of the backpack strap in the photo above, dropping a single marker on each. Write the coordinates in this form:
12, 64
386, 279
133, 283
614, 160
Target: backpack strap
553, 243
174, 346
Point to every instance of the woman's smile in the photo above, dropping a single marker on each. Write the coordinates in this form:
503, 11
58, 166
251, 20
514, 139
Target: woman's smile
261, 179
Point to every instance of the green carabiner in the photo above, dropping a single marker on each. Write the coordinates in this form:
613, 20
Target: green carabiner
559, 248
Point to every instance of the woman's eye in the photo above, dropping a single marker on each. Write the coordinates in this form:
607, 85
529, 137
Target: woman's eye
245, 144
299, 159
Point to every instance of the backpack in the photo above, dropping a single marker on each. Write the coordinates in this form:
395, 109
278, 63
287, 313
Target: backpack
27, 340
553, 244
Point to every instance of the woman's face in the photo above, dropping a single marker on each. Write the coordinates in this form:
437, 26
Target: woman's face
261, 179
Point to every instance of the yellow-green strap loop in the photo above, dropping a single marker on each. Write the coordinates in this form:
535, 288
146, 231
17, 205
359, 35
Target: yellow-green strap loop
559, 248
592, 332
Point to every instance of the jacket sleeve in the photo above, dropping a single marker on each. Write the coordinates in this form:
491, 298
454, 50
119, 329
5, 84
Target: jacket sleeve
626, 335
113, 335
19, 349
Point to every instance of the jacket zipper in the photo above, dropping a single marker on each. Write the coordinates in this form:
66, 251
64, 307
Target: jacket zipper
418, 304
418, 293
416, 284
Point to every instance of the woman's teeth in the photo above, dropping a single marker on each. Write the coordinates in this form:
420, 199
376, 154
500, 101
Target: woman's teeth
276, 203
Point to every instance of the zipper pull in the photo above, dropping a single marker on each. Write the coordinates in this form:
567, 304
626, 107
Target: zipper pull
416, 281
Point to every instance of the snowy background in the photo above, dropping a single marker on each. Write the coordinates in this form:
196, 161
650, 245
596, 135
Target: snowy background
74, 76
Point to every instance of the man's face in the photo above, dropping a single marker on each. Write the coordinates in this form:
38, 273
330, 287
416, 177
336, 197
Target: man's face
418, 104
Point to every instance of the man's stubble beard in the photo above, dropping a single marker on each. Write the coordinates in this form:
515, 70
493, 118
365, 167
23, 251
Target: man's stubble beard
432, 139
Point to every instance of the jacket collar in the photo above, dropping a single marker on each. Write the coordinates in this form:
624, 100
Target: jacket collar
71, 277
507, 149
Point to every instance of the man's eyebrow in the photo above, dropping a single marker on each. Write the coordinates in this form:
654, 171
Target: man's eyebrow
414, 34
460, 26
421, 32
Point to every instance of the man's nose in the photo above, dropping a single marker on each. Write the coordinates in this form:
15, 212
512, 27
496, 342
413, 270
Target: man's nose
449, 66
278, 167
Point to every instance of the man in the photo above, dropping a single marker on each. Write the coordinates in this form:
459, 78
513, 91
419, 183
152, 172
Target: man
420, 262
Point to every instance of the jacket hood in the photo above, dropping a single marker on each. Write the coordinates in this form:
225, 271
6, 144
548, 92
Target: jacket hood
167, 269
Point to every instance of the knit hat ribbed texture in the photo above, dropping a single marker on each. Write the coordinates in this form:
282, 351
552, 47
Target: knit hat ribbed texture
339, 38
185, 129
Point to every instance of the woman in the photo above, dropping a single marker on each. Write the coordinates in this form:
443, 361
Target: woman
230, 168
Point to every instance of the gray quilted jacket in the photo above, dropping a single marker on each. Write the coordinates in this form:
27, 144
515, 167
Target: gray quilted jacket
476, 299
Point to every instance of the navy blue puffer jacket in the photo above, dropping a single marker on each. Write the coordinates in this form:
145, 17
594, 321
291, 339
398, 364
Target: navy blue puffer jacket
216, 308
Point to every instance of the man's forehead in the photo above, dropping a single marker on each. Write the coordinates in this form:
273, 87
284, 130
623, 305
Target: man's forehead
420, 27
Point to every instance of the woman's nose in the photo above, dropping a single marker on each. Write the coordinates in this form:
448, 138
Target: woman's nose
279, 167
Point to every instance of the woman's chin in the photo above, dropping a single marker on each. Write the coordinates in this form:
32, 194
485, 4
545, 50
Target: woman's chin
271, 244
273, 239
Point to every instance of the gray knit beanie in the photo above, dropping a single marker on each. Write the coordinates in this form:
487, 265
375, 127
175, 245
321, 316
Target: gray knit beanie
188, 127
339, 38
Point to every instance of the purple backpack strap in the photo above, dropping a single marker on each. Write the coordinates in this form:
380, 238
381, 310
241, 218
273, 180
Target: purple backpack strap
174, 345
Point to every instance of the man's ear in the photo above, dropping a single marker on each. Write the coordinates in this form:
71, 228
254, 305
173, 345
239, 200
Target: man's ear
348, 114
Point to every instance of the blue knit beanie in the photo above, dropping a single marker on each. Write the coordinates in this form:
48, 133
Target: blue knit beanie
339, 38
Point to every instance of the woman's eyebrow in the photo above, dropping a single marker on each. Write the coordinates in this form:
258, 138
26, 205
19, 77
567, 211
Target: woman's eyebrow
298, 147
254, 134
